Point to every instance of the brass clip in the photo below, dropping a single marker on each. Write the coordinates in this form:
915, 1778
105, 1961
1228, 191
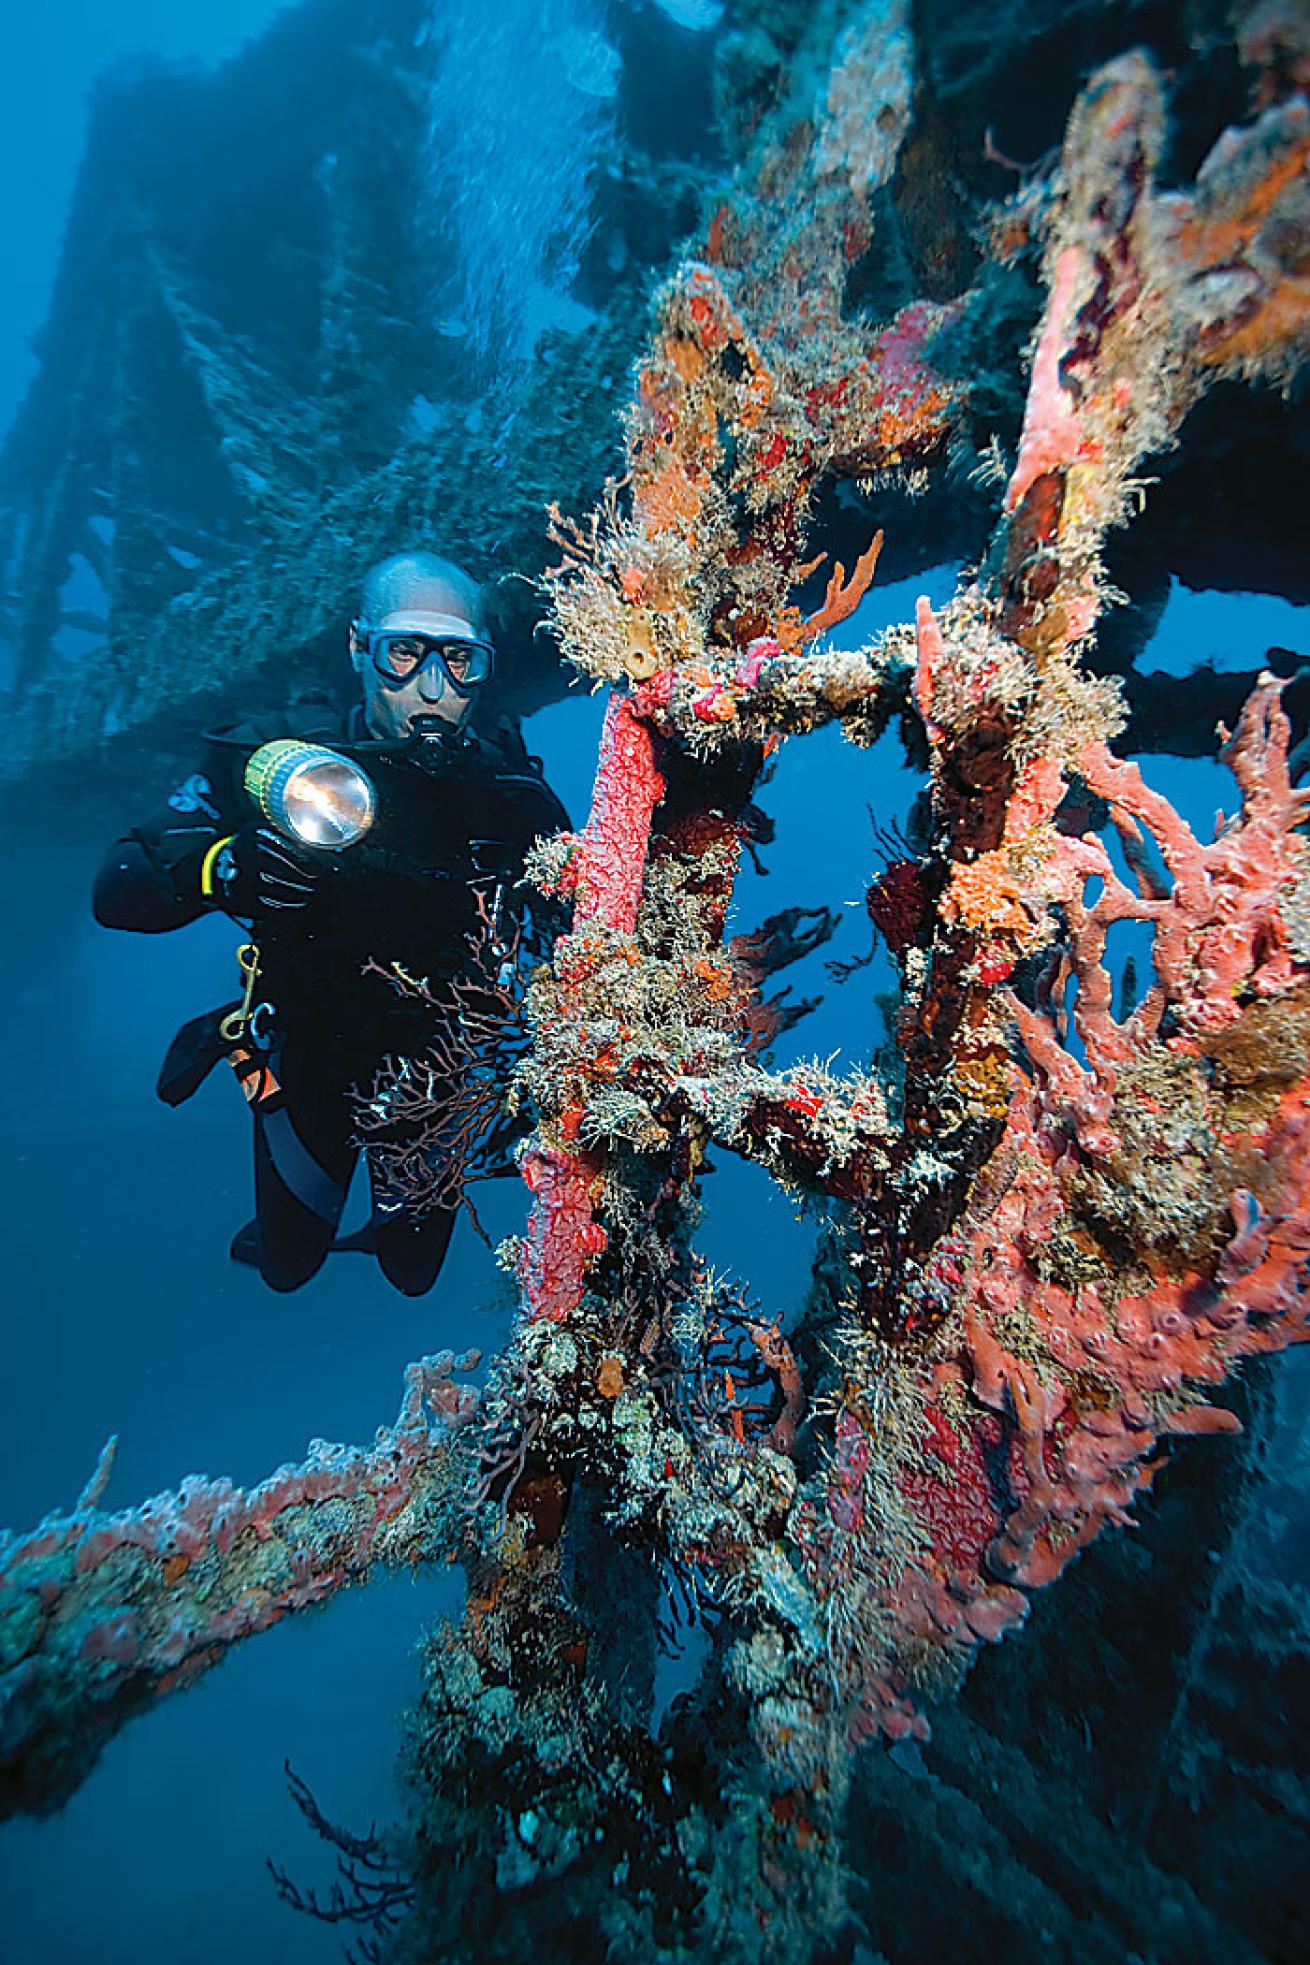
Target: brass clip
234, 1026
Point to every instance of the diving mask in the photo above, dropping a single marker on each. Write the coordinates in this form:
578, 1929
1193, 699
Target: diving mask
401, 656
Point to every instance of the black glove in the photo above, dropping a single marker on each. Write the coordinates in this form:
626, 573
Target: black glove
258, 871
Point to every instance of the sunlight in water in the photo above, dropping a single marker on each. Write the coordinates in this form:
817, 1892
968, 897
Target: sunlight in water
519, 117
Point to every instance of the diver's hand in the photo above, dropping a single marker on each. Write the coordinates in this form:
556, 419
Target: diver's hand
260, 872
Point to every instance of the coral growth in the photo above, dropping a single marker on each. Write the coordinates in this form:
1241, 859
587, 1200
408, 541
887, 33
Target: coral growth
103, 1613
1050, 1231
1030, 1302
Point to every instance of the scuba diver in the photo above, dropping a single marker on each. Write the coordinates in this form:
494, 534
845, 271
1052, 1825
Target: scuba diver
380, 848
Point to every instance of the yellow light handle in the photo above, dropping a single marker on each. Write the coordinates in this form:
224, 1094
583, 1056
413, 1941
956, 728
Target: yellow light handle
207, 865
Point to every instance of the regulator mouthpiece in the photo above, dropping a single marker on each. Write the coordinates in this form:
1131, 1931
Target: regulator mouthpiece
311, 794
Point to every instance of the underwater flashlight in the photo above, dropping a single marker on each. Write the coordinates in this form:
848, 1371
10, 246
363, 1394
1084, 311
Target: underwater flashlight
311, 793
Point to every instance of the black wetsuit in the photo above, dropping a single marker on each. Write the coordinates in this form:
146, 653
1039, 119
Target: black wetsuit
453, 823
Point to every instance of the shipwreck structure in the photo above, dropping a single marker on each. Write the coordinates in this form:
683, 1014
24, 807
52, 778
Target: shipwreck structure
1055, 1225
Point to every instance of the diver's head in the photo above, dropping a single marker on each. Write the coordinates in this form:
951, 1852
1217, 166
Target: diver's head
420, 645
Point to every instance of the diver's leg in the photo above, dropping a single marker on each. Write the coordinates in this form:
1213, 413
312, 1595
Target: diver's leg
244, 1246
303, 1162
410, 1249
410, 1253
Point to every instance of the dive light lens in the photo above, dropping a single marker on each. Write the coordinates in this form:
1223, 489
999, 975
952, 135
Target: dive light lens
311, 793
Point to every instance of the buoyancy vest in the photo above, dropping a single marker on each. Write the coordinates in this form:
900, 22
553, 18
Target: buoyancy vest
446, 848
